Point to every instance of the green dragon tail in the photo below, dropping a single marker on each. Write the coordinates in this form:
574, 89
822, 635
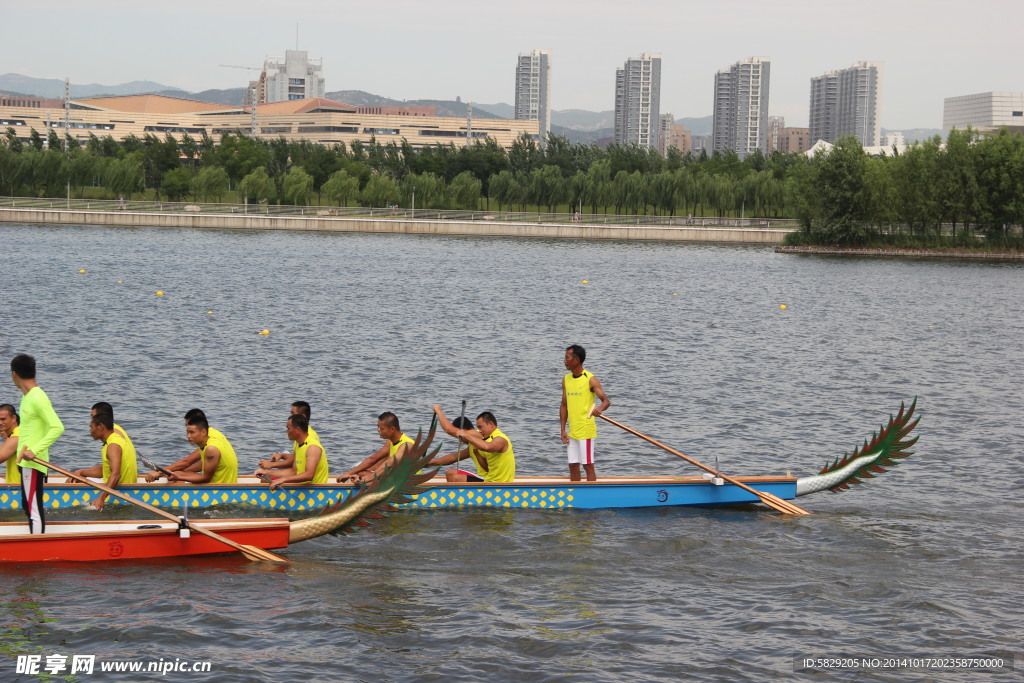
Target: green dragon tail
398, 483
886, 448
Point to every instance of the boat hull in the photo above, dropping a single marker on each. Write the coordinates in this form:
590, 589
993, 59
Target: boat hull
526, 492
133, 539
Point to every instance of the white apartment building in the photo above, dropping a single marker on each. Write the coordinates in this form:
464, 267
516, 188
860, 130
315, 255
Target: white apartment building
740, 121
533, 90
296, 77
847, 102
637, 100
985, 111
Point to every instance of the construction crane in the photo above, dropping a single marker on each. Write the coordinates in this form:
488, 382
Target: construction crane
254, 93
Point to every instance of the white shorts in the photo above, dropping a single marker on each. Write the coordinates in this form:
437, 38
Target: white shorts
581, 451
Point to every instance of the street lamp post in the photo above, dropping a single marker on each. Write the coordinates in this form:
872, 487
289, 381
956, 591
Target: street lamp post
414, 201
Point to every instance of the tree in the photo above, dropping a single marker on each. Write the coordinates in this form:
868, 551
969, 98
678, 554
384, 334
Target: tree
380, 190
298, 186
464, 191
211, 183
840, 186
430, 190
176, 184
256, 186
340, 188
125, 176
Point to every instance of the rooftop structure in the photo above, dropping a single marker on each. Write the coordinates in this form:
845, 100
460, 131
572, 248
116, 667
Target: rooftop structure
316, 119
295, 77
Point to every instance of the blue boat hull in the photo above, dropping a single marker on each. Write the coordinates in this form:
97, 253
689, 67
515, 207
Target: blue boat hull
533, 492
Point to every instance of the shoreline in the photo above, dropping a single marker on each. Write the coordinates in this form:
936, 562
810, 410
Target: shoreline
483, 228
902, 252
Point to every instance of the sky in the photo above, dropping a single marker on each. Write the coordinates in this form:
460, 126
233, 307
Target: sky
416, 49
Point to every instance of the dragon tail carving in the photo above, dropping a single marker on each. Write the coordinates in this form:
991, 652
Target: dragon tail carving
397, 484
885, 449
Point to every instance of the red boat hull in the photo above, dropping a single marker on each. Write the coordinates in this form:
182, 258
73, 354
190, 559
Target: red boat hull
125, 540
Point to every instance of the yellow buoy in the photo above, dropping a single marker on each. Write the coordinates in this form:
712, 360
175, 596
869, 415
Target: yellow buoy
81, 271
782, 307
675, 293
118, 282
586, 282
209, 312
159, 293
265, 332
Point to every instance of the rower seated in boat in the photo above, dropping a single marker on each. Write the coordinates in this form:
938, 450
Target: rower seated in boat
192, 461
283, 461
216, 464
487, 443
309, 457
9, 434
117, 457
396, 444
462, 422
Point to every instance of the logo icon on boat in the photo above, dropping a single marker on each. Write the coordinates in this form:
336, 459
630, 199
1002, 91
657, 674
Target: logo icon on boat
116, 549
662, 495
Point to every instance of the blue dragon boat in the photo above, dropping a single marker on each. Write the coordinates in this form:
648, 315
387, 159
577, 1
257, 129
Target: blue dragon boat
886, 448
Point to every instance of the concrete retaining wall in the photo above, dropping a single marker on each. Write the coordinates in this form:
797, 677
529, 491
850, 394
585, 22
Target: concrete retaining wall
392, 225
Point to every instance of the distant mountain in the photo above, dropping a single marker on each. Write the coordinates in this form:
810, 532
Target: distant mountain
499, 109
455, 108
54, 87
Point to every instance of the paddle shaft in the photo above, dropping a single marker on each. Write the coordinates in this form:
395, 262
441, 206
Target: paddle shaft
151, 466
458, 444
735, 482
250, 552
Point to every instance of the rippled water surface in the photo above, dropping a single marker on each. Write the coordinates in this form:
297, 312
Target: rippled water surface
692, 347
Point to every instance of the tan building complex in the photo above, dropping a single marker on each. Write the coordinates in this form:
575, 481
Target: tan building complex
317, 120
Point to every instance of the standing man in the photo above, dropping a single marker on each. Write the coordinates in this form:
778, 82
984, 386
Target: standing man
9, 446
118, 457
39, 428
395, 445
309, 457
579, 388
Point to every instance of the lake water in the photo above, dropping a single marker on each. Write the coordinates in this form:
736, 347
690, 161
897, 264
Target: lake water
692, 347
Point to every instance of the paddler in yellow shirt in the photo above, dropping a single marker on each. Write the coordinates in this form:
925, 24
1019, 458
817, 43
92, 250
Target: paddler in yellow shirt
309, 457
486, 441
284, 461
189, 461
9, 433
118, 457
217, 463
396, 444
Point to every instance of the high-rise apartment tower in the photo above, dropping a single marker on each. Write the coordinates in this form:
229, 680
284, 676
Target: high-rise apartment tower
740, 120
847, 102
533, 89
637, 100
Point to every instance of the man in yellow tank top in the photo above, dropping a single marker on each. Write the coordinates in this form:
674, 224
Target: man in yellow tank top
579, 388
479, 460
191, 461
117, 464
396, 444
487, 441
309, 457
285, 461
217, 463
9, 434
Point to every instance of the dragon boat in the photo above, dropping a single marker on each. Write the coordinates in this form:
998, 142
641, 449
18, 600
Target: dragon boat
146, 539
884, 449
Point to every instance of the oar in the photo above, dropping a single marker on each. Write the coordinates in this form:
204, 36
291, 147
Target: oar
251, 552
458, 442
768, 499
151, 466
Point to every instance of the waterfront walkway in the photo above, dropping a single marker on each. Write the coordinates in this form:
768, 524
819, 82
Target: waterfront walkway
391, 220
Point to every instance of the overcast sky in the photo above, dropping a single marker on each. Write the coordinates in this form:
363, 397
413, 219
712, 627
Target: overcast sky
412, 49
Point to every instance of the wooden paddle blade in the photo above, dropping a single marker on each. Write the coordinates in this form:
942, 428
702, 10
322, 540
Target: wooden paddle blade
255, 554
781, 505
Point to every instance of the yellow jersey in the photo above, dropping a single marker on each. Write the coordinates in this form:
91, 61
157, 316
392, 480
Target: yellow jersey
320, 474
579, 399
129, 468
393, 447
13, 472
227, 468
500, 466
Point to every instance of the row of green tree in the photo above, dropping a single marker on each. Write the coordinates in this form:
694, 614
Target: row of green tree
966, 185
932, 193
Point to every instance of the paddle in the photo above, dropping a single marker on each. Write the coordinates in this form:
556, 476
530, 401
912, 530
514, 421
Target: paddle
151, 466
458, 442
251, 552
768, 499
